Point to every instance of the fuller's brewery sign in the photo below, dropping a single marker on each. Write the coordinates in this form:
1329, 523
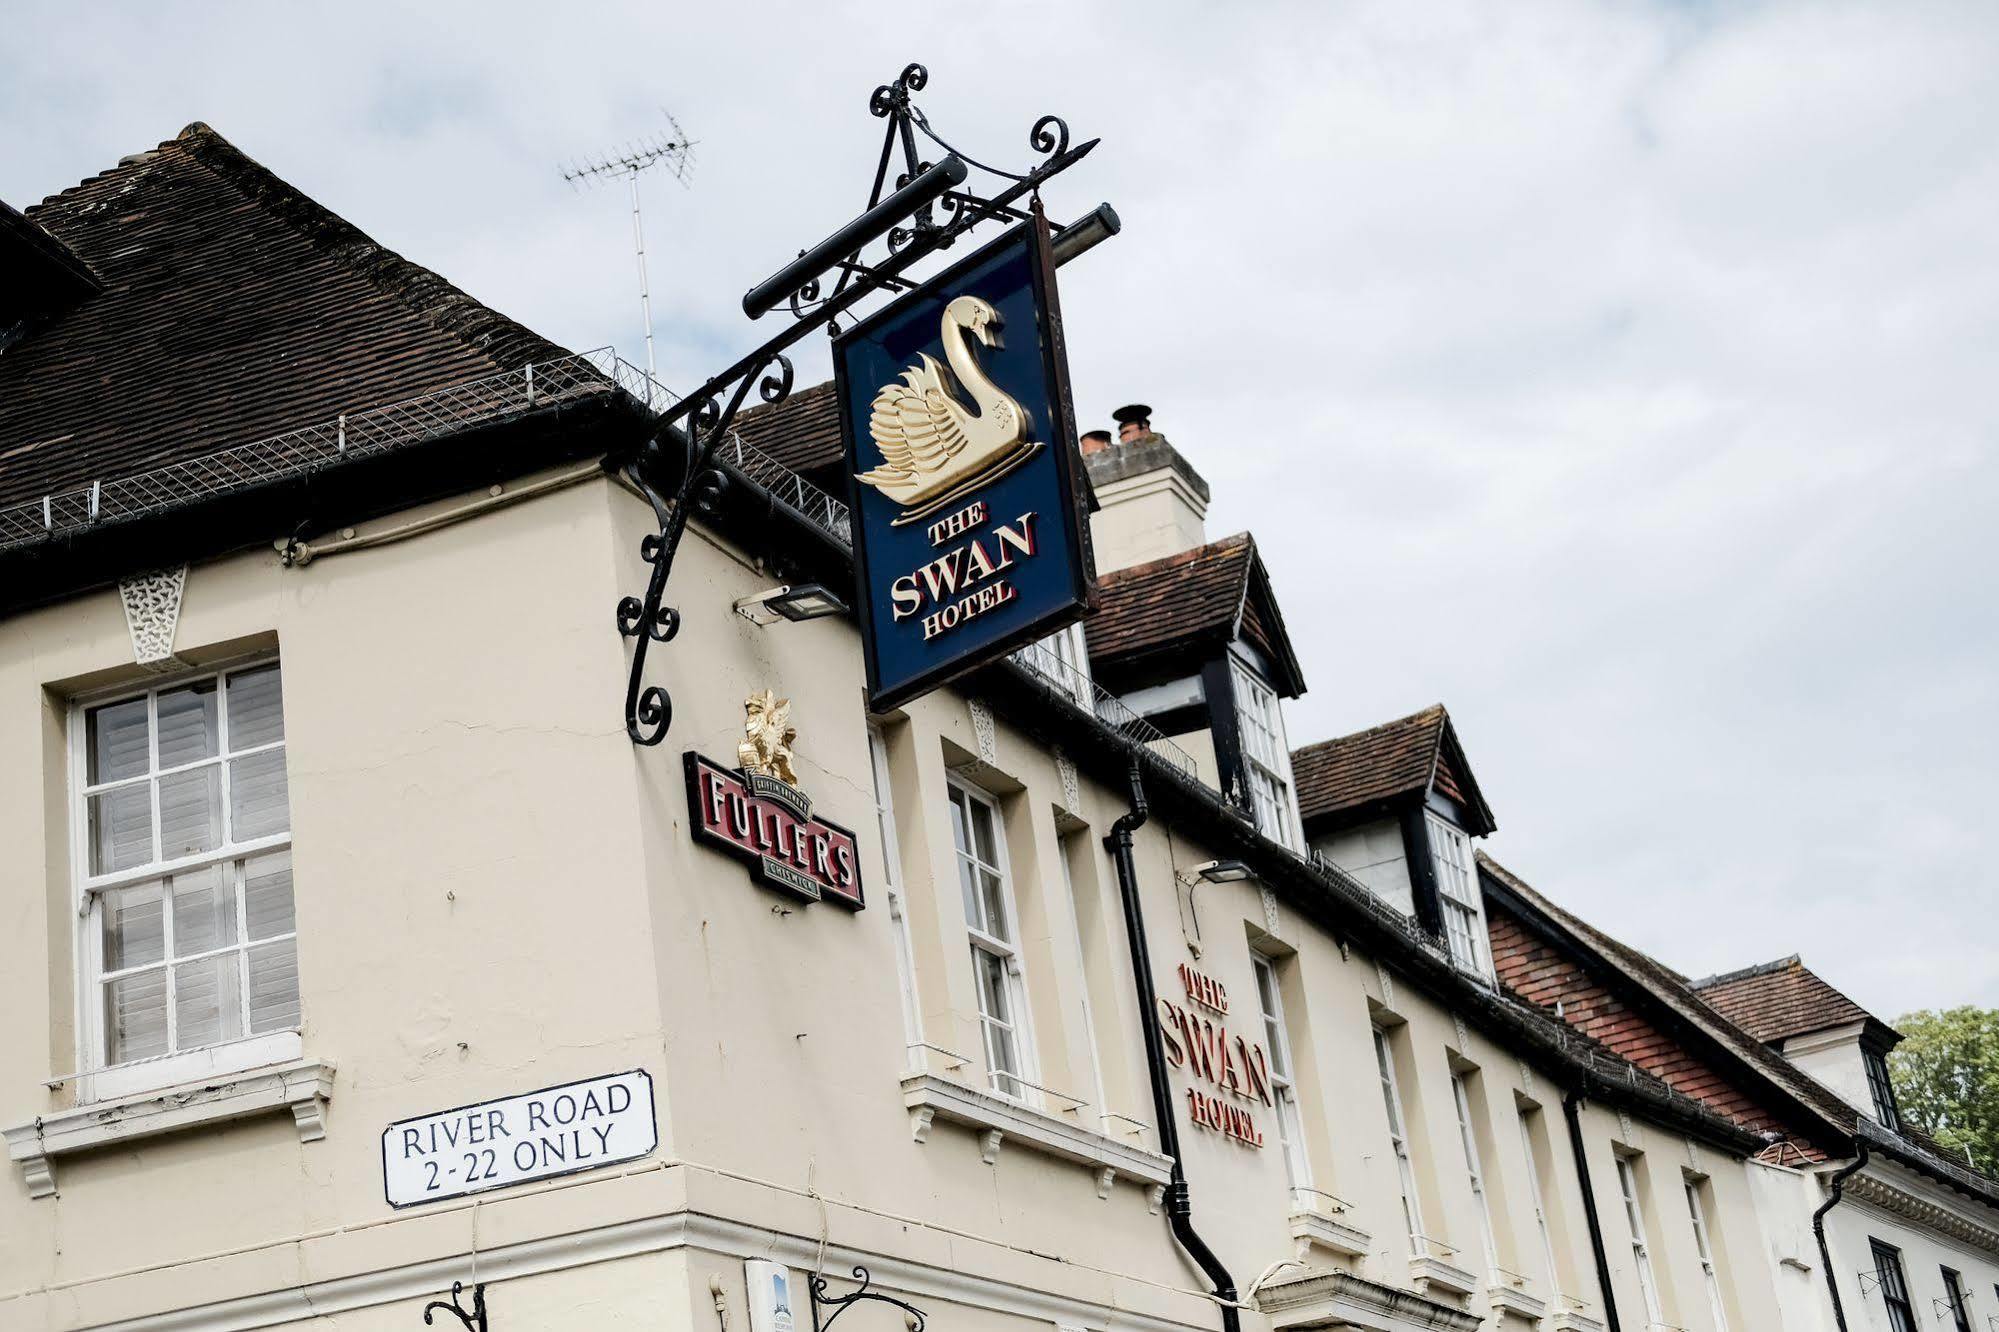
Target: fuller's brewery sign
970, 536
756, 812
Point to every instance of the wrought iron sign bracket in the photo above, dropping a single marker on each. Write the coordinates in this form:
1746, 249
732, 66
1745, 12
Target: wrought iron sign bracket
913, 1317
474, 1319
685, 438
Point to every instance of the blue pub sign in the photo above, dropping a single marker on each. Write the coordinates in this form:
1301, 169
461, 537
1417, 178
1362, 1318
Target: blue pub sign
970, 532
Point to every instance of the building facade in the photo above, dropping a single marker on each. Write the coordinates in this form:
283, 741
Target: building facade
357, 953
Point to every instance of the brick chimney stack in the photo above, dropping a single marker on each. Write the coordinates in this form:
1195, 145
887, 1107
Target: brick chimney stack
1153, 502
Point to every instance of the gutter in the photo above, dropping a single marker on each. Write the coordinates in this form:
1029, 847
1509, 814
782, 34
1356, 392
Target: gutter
1179, 1200
1845, 1173
1570, 1102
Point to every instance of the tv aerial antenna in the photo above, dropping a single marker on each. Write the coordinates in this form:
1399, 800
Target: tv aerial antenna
672, 150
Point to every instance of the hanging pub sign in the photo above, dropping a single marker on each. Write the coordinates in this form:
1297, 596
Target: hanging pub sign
970, 533
756, 812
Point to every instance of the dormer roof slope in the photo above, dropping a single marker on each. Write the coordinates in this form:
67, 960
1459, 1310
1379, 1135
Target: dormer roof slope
1191, 604
1355, 777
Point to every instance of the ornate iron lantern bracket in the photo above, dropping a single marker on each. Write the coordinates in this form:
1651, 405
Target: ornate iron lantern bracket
695, 427
474, 1320
913, 1317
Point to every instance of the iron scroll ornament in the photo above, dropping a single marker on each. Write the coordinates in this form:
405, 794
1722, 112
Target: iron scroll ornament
473, 1319
695, 427
839, 1304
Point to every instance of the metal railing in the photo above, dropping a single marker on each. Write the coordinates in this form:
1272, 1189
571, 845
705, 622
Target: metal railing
346, 438
1108, 708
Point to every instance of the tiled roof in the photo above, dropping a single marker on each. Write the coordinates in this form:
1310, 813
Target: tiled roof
233, 308
1540, 974
1198, 599
1358, 771
1779, 999
802, 432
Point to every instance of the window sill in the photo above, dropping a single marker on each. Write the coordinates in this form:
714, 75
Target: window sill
146, 1077
1435, 1274
1311, 1227
302, 1087
1569, 1320
996, 1119
1507, 1299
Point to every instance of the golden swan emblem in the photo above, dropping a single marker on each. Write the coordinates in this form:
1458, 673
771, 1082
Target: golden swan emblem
934, 448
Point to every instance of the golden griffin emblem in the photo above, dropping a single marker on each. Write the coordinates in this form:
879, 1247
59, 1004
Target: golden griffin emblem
767, 750
936, 449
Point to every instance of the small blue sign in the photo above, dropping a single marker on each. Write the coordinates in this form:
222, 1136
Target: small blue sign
970, 532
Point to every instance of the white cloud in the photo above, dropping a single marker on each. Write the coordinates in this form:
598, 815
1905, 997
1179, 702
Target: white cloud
1619, 374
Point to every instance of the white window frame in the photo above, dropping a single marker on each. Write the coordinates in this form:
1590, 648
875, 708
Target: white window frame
1260, 711
1283, 1079
1457, 887
1398, 1139
1704, 1250
1641, 1247
1474, 1169
898, 907
1017, 1084
97, 1079
1535, 1198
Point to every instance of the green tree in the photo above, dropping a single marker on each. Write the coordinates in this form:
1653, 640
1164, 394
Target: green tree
1946, 1076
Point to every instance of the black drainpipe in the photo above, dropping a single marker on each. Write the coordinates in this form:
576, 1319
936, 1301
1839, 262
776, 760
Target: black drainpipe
1569, 1104
1179, 1203
1818, 1227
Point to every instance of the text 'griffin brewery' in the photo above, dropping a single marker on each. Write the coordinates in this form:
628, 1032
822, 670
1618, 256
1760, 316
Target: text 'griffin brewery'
965, 581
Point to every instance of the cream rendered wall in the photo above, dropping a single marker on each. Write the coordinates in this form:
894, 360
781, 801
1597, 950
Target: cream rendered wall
497, 891
1785, 1199
466, 878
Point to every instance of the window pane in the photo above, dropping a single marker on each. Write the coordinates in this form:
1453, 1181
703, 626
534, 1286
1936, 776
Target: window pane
134, 927
208, 1001
968, 884
190, 812
135, 1017
274, 986
996, 921
992, 985
204, 910
960, 836
982, 833
121, 828
259, 801
267, 895
116, 741
187, 724
256, 708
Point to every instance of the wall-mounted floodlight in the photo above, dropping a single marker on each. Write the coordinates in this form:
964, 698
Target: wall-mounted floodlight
1221, 871
806, 601
1086, 232
927, 188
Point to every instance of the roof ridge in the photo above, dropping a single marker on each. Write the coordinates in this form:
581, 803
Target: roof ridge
504, 340
129, 162
1769, 968
1181, 556
1417, 715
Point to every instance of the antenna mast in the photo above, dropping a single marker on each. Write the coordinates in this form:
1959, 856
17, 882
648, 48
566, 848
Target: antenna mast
676, 151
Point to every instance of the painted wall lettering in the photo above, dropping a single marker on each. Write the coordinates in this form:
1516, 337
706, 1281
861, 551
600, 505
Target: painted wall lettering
1236, 1067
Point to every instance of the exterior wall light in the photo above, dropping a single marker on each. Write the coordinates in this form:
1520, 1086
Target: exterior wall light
1222, 871
1091, 229
806, 601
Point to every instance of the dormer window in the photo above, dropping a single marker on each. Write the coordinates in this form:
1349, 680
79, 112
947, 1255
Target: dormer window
1457, 886
1266, 758
1880, 1090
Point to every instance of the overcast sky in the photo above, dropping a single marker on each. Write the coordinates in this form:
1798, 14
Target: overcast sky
1620, 374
